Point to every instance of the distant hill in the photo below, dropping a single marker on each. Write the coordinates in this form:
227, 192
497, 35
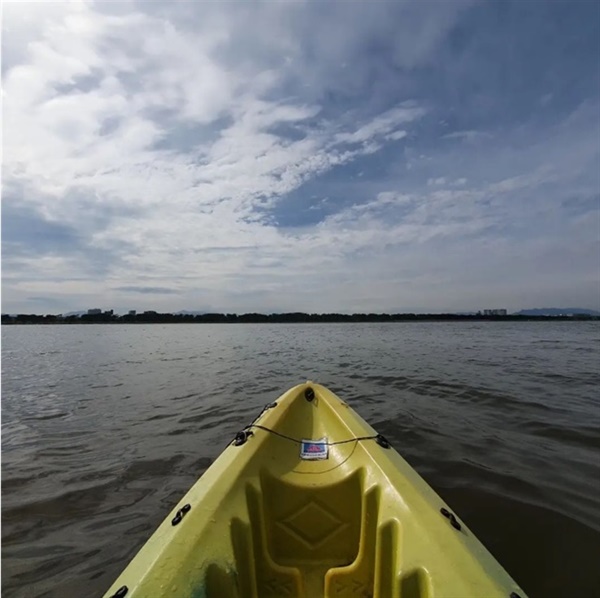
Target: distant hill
557, 311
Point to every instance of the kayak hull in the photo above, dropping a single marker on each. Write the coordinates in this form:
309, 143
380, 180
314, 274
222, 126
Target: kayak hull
338, 515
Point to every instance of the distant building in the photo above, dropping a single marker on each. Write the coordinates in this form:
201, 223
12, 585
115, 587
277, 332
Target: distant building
131, 312
94, 312
494, 312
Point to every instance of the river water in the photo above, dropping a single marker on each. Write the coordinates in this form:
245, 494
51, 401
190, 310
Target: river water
104, 427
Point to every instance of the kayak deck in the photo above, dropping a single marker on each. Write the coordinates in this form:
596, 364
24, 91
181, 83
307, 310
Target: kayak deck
267, 520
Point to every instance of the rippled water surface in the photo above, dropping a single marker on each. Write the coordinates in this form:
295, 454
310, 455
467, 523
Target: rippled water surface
104, 427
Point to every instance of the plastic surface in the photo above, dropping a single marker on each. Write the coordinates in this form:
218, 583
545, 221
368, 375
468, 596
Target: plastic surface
266, 523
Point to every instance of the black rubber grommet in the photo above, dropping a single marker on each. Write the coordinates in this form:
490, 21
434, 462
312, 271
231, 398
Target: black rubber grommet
241, 437
453, 520
454, 523
185, 508
382, 441
309, 394
177, 519
122, 591
514, 595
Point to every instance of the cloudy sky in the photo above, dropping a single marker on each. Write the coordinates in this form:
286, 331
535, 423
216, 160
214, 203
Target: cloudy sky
296, 155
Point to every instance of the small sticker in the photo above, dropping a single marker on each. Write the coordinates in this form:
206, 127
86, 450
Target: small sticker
313, 450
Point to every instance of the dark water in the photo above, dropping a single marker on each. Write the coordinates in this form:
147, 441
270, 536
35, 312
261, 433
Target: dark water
105, 427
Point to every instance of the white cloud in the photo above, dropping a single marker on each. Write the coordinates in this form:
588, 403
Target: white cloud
164, 136
382, 125
470, 136
396, 135
65, 141
93, 95
436, 181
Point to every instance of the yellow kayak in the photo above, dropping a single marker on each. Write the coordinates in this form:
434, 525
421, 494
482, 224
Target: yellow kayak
309, 501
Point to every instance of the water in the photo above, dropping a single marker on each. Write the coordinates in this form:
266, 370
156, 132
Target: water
105, 427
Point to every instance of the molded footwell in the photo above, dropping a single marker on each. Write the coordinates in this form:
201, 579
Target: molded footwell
308, 542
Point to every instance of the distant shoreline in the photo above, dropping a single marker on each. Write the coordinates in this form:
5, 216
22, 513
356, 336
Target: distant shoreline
284, 318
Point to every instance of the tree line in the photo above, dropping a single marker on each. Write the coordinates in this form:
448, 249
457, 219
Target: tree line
153, 317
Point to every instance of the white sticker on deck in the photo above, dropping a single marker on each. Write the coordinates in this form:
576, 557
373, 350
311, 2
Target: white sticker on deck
313, 450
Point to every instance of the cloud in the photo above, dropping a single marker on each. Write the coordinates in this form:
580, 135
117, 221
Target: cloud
167, 156
382, 125
147, 290
437, 181
470, 136
396, 135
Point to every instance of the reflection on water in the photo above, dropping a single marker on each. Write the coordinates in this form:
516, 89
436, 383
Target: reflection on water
105, 427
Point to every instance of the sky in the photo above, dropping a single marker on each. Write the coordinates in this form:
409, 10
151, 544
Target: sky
300, 156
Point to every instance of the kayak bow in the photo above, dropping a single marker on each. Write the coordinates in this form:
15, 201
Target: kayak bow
309, 501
